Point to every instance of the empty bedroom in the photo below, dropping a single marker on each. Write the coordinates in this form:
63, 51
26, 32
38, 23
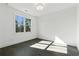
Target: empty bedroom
39, 29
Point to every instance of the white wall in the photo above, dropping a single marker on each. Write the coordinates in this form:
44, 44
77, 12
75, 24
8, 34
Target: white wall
77, 11
8, 35
61, 24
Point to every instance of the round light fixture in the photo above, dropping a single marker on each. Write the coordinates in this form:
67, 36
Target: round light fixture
39, 6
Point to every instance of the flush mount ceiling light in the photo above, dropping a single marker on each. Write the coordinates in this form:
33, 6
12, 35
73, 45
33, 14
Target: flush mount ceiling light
39, 6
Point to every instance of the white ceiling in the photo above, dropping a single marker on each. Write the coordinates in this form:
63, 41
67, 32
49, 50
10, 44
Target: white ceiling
48, 8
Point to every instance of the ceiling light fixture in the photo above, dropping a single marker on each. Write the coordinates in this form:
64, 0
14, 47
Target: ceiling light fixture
39, 6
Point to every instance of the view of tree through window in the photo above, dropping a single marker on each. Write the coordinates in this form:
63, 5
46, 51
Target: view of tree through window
20, 20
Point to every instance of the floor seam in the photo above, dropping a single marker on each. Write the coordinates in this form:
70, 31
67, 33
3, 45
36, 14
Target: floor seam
48, 45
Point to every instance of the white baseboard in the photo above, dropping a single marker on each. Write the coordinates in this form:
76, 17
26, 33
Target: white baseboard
45, 38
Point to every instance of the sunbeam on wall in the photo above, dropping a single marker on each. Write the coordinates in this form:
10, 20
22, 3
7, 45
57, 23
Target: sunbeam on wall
59, 41
58, 46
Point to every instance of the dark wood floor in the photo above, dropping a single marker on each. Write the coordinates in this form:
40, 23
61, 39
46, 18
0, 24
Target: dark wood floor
23, 49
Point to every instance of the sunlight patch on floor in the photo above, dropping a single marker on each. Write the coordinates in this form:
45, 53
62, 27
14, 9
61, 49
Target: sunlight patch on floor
57, 49
39, 46
58, 46
45, 42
